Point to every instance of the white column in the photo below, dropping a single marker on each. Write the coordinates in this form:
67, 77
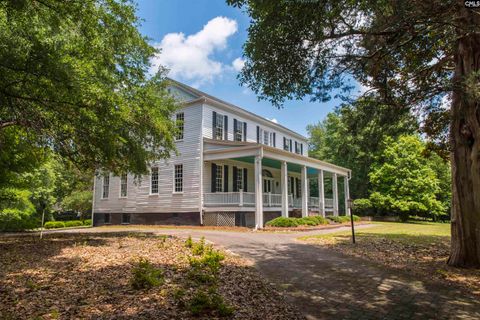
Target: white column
304, 192
321, 193
347, 196
335, 194
258, 193
284, 187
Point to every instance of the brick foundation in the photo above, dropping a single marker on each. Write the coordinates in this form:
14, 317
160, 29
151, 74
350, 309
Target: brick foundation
152, 218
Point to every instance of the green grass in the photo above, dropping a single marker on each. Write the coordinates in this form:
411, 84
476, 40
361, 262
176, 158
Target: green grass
412, 232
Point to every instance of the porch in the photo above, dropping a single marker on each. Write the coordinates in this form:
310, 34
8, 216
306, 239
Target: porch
241, 178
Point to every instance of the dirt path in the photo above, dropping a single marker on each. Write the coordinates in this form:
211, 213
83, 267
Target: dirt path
327, 285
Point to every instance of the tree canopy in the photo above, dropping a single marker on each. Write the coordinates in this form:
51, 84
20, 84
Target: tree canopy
74, 79
416, 54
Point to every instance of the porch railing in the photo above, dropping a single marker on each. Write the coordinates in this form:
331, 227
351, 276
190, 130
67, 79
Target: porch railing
247, 199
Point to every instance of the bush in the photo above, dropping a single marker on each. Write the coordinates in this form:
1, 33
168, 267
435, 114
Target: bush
189, 242
199, 247
283, 222
54, 224
73, 223
363, 207
340, 219
209, 302
16, 210
87, 222
145, 275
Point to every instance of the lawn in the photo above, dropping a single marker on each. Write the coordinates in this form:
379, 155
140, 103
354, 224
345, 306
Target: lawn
118, 276
418, 248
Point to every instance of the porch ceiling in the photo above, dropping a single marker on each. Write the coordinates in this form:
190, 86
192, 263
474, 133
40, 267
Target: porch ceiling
276, 164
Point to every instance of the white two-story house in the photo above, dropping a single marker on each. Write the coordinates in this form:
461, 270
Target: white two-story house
233, 168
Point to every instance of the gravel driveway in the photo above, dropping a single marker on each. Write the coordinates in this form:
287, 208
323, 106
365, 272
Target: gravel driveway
327, 285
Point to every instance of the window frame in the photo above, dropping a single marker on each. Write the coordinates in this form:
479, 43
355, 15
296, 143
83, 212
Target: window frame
126, 214
106, 178
219, 120
240, 171
180, 126
151, 180
123, 184
239, 130
219, 178
175, 177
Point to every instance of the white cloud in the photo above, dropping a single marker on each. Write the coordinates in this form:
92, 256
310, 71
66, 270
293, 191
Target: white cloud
190, 57
238, 64
274, 120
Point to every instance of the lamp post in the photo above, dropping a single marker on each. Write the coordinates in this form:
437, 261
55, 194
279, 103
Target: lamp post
350, 206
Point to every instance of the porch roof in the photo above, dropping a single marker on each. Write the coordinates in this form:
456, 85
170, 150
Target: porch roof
245, 151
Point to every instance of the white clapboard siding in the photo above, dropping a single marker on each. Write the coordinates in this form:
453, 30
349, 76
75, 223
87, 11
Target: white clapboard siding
251, 128
139, 196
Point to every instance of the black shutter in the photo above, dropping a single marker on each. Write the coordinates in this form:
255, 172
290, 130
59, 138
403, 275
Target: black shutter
284, 143
258, 134
235, 178
235, 128
225, 178
214, 124
245, 131
298, 187
274, 139
301, 148
225, 134
292, 186
296, 147
214, 177
245, 184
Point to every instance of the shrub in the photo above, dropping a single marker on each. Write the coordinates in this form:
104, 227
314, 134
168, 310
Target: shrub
307, 221
16, 210
209, 302
189, 242
87, 222
199, 247
340, 219
283, 222
145, 275
73, 223
363, 207
54, 224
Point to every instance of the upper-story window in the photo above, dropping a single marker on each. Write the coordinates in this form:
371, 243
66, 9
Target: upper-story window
123, 185
287, 144
298, 147
220, 126
154, 180
239, 130
106, 186
179, 122
265, 137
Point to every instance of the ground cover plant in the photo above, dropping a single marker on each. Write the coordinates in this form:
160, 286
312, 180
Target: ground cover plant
419, 248
283, 222
127, 275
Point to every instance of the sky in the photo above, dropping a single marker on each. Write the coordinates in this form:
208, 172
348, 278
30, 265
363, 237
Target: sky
201, 43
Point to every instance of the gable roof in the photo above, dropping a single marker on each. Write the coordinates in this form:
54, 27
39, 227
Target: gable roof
231, 107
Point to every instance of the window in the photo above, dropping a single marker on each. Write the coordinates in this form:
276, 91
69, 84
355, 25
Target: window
218, 126
123, 185
219, 179
267, 137
240, 180
239, 134
287, 144
106, 218
106, 186
154, 181
180, 125
125, 218
298, 147
178, 179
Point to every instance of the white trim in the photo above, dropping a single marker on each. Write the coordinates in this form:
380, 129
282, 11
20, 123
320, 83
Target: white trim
120, 189
200, 197
150, 181
103, 185
174, 182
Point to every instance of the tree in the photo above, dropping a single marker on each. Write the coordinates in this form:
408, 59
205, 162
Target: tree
403, 180
74, 79
352, 137
415, 54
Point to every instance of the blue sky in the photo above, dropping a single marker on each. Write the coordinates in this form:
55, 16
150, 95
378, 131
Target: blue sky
202, 46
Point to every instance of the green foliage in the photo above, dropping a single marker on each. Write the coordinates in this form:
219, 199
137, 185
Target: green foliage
73, 223
16, 210
341, 219
207, 303
87, 222
189, 242
145, 275
54, 224
283, 222
198, 248
75, 79
80, 201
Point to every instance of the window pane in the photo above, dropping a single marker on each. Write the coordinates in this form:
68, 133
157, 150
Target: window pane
239, 131
123, 185
106, 186
180, 125
240, 179
219, 127
219, 179
178, 178
154, 180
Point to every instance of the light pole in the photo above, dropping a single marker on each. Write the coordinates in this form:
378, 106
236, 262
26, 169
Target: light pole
350, 206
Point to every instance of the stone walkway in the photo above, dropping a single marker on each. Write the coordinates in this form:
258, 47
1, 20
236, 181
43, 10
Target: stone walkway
324, 284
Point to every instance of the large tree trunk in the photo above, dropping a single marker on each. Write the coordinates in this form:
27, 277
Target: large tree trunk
465, 140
